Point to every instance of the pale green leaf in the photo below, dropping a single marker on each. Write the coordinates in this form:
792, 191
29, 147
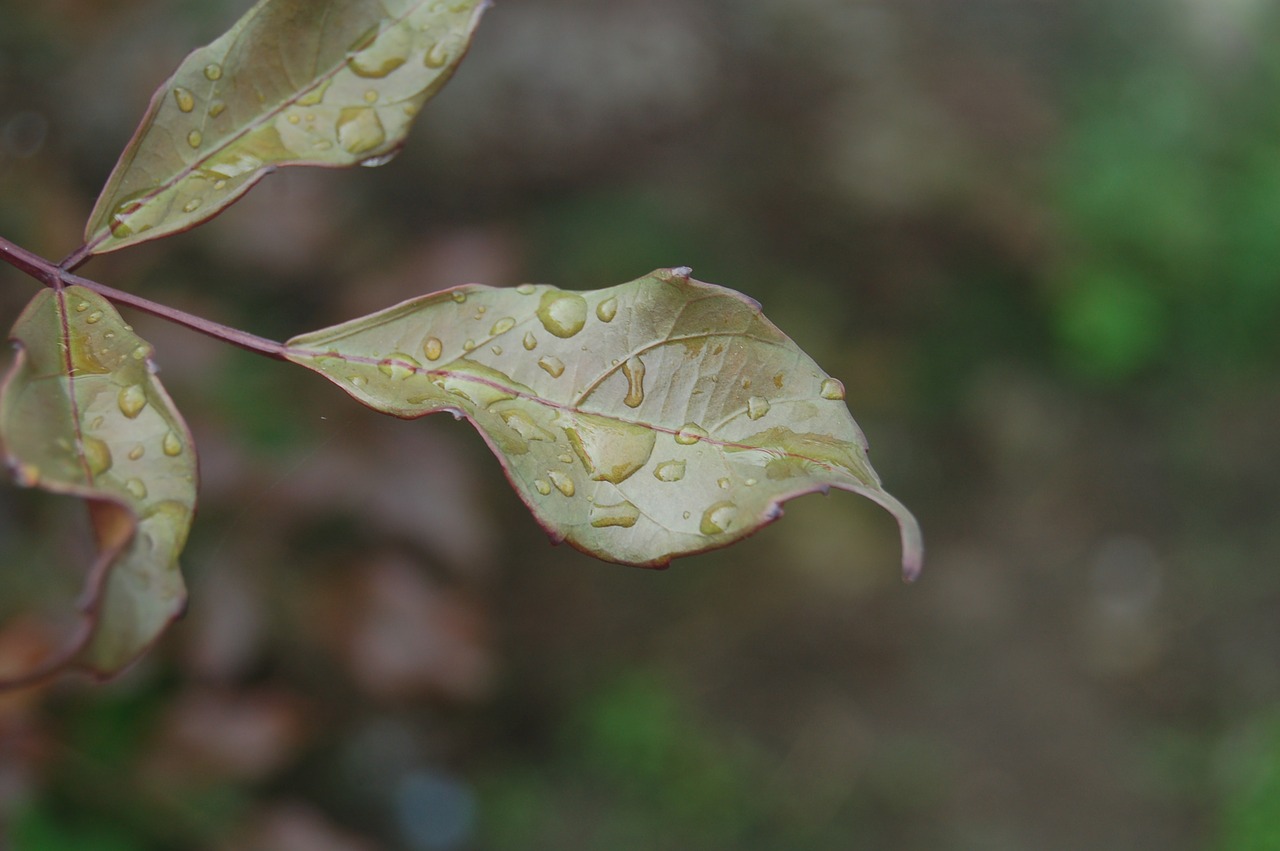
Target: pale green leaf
81, 413
293, 82
641, 422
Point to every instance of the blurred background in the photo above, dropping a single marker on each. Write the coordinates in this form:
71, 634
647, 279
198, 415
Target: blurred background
1039, 241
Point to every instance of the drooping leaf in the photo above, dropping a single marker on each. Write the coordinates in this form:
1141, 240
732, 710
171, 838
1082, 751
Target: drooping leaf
642, 422
81, 413
293, 82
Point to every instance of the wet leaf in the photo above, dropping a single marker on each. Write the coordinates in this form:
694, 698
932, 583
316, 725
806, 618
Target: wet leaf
82, 414
293, 82
650, 420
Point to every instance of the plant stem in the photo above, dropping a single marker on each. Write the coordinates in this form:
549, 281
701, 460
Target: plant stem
76, 259
58, 276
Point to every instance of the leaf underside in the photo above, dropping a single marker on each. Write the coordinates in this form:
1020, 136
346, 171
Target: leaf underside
650, 420
293, 82
82, 414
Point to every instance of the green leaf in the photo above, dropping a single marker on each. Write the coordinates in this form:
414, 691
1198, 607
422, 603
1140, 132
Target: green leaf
646, 421
81, 413
294, 82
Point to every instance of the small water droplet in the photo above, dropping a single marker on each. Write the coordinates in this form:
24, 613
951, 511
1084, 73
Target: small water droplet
136, 488
502, 326
458, 295
566, 458
295, 118
690, 434
530, 342
633, 369
381, 159
213, 71
82, 306
140, 353
497, 350
523, 425
217, 108
97, 455
468, 345
219, 185
184, 99
669, 471
358, 381
562, 314
360, 130
432, 348
542, 487
194, 138
831, 389
563, 483
757, 407
749, 482
624, 515
480, 311
132, 400
607, 309
191, 206
438, 55
137, 452
718, 518
371, 96
398, 366
171, 444
94, 318
553, 365
686, 515
723, 484
526, 289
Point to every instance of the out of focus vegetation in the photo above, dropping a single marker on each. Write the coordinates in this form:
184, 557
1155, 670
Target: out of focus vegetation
1039, 242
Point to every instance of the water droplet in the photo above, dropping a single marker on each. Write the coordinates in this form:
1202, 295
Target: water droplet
624, 514
831, 389
358, 381
371, 96
749, 482
295, 119
523, 425
94, 318
191, 206
432, 348
480, 311
97, 455
213, 71
137, 452
140, 353
777, 380
382, 159
194, 138
526, 289
132, 400
398, 366
718, 518
502, 326
458, 295
136, 488
633, 369
563, 483
610, 450
757, 407
315, 94
132, 203
607, 309
723, 484
171, 444
184, 99
530, 342
690, 433
82, 306
553, 365
217, 108
542, 487
219, 185
360, 130
438, 55
562, 314
98, 422
686, 515
497, 350
669, 471
468, 345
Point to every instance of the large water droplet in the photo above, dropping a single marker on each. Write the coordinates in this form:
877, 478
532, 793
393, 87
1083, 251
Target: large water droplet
432, 348
398, 366
831, 389
563, 483
543, 487
171, 444
458, 295
719, 518
97, 455
607, 309
562, 314
530, 342
633, 369
523, 425
624, 514
213, 71
553, 365
478, 383
610, 450
381, 53
757, 407
136, 488
132, 400
194, 138
502, 326
94, 318
184, 99
669, 471
360, 130
690, 433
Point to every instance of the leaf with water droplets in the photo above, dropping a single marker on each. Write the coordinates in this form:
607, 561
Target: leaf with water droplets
293, 82
642, 422
82, 414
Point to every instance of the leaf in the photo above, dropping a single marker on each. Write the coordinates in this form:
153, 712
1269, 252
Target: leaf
642, 422
81, 413
293, 82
